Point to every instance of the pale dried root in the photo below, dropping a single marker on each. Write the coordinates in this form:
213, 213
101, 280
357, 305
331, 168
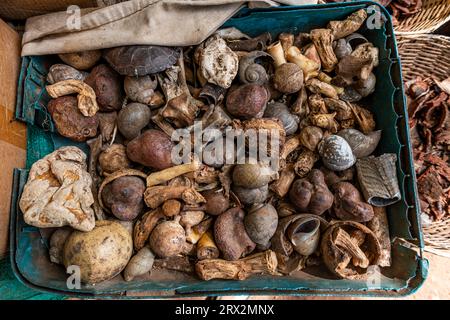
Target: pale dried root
157, 195
165, 175
261, 263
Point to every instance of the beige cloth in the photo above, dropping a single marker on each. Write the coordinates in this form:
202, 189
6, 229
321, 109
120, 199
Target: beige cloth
156, 22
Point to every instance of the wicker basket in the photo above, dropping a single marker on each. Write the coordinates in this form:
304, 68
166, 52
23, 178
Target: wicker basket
428, 55
433, 15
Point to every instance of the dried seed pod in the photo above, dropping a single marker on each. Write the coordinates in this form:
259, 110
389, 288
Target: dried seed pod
171, 207
288, 78
317, 104
364, 118
367, 51
114, 158
305, 162
351, 24
310, 67
336, 153
310, 137
281, 186
281, 111
132, 119
323, 41
107, 86
325, 121
260, 223
348, 248
311, 194
145, 226
351, 69
247, 101
252, 72
316, 86
342, 108
69, 121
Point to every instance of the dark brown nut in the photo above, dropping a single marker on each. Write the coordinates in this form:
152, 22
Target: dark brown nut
247, 101
171, 207
231, 237
132, 119
288, 78
69, 121
152, 149
82, 60
107, 86
114, 158
168, 239
311, 194
349, 205
125, 197
249, 196
216, 202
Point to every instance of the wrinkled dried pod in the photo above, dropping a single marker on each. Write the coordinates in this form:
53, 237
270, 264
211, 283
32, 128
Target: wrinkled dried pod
231, 237
310, 137
60, 72
247, 101
253, 175
364, 118
107, 86
218, 63
349, 205
351, 24
341, 108
323, 41
288, 78
304, 234
311, 194
252, 72
305, 162
152, 149
82, 60
316, 86
167, 239
260, 223
114, 158
58, 191
281, 111
140, 89
362, 145
57, 242
69, 121
251, 195
348, 248
124, 197
132, 119
336, 153
310, 67
325, 121
351, 69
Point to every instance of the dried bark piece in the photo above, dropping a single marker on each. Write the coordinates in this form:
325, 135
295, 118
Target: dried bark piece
281, 186
145, 226
87, 102
261, 263
95, 146
316, 86
380, 227
346, 27
364, 118
176, 263
323, 41
377, 177
58, 191
157, 195
305, 162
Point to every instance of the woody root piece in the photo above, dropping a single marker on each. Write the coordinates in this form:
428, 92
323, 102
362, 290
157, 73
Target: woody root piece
261, 263
87, 102
155, 196
165, 175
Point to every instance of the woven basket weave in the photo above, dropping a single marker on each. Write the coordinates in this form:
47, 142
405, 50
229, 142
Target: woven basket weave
434, 14
428, 55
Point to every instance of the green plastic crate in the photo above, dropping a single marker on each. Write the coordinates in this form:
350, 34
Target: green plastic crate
29, 245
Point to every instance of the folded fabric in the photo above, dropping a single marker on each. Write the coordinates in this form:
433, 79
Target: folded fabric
145, 22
